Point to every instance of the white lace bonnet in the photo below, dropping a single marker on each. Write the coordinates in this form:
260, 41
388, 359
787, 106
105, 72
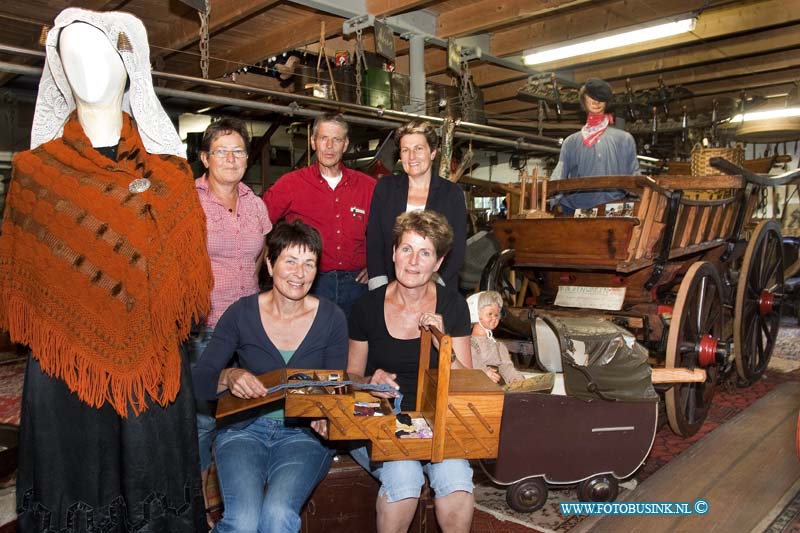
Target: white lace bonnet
128, 36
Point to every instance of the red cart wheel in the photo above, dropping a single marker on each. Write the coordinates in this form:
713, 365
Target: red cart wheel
528, 495
602, 488
696, 323
757, 313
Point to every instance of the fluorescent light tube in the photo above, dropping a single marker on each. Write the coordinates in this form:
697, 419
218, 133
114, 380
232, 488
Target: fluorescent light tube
784, 112
640, 35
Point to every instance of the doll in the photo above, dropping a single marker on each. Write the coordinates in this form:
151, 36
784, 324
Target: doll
487, 354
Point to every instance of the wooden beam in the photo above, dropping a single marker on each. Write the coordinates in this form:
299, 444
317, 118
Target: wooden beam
487, 15
183, 32
510, 106
711, 53
305, 31
556, 27
721, 71
590, 21
730, 94
24, 16
762, 63
752, 81
393, 7
506, 91
712, 25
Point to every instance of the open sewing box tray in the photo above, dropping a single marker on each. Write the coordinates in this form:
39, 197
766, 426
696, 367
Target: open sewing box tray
464, 414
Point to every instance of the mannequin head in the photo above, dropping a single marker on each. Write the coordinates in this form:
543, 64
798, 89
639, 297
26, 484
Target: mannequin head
93, 67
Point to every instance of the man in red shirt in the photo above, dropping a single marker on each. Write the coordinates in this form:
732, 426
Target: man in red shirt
335, 200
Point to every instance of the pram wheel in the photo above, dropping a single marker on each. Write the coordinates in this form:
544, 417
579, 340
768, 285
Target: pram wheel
602, 488
528, 495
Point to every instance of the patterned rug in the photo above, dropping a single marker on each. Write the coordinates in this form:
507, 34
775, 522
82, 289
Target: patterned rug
11, 374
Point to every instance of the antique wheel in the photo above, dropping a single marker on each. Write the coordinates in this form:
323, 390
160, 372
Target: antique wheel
601, 488
757, 313
528, 495
499, 275
694, 331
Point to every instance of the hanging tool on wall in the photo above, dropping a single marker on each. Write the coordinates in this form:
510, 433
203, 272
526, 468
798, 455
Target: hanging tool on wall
467, 93
684, 125
323, 54
630, 108
463, 165
542, 115
654, 139
556, 95
448, 128
714, 119
662, 94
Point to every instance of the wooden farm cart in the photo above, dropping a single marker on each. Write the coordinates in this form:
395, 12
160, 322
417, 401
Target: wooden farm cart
463, 408
678, 273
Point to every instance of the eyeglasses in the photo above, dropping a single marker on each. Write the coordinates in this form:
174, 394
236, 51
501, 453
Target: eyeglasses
221, 153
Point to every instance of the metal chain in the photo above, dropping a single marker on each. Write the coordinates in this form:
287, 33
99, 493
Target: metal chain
360, 64
204, 40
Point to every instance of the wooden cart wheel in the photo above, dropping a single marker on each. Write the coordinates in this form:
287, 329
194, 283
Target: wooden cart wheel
695, 328
601, 488
757, 312
499, 275
528, 495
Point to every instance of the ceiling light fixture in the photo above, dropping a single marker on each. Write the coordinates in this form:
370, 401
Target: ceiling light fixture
784, 112
640, 34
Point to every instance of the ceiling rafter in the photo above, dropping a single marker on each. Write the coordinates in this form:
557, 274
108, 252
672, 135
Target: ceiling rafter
489, 15
185, 31
711, 27
761, 63
304, 31
393, 7
612, 16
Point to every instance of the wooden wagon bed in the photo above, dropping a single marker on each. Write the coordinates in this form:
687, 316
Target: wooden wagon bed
701, 212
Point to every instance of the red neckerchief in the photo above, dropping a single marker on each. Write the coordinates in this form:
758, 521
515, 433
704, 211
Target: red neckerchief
596, 124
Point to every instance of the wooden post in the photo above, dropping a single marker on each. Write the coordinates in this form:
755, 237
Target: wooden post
545, 179
442, 393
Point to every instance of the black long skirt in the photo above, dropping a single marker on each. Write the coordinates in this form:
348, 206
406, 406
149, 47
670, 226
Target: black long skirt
83, 469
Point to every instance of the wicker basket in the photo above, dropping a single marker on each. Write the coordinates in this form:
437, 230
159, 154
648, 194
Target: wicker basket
702, 156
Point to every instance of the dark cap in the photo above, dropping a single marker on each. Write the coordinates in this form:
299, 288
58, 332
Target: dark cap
598, 89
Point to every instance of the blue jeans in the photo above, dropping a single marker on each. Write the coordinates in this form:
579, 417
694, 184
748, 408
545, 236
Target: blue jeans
266, 472
340, 287
198, 339
404, 479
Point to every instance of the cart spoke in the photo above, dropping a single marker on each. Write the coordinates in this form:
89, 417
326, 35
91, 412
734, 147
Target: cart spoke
711, 319
691, 404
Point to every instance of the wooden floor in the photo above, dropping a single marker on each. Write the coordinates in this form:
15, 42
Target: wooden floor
747, 470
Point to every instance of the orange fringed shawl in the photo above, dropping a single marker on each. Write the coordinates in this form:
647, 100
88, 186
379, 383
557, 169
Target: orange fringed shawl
101, 283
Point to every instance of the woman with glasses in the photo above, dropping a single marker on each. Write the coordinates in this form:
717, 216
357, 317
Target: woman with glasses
236, 222
416, 188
